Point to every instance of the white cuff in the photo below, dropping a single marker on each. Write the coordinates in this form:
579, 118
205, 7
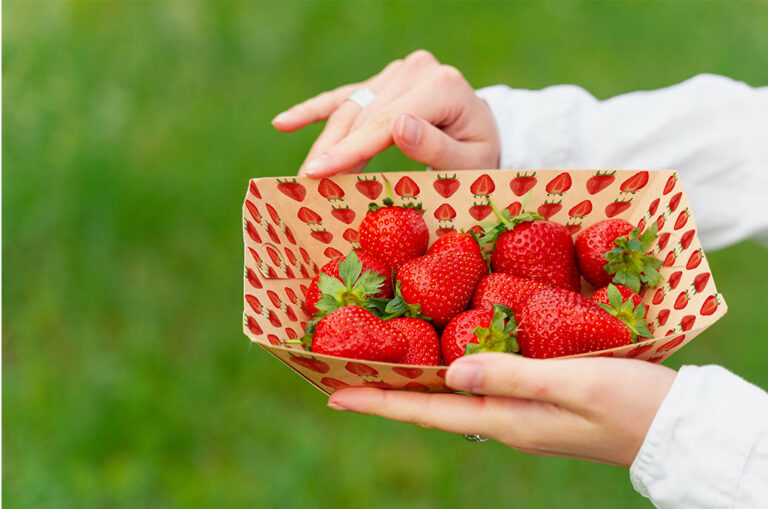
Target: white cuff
707, 445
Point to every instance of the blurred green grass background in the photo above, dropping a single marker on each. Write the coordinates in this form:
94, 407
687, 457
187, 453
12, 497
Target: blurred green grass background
129, 132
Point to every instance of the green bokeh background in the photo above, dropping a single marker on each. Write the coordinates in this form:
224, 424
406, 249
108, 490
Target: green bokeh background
130, 130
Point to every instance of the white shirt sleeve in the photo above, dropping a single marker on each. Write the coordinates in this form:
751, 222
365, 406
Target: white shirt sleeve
708, 444
712, 129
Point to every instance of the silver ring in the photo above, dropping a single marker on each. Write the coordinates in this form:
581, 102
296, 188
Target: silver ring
475, 438
362, 97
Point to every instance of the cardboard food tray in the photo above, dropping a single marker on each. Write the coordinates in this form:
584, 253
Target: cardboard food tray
293, 225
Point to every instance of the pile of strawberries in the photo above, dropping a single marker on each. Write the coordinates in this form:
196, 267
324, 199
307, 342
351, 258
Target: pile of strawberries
515, 288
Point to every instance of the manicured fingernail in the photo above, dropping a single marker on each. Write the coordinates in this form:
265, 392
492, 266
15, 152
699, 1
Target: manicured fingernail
463, 376
316, 164
336, 406
282, 117
409, 129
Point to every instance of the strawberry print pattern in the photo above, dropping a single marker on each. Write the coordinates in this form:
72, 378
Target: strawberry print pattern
292, 225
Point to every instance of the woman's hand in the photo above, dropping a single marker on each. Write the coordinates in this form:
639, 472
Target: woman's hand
596, 409
427, 109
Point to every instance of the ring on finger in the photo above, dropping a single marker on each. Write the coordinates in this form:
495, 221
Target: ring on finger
362, 97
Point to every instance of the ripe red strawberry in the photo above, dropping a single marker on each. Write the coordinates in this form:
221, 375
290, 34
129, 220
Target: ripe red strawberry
505, 289
455, 242
352, 331
332, 269
613, 250
479, 330
439, 285
530, 247
423, 343
556, 322
309, 216
393, 234
625, 305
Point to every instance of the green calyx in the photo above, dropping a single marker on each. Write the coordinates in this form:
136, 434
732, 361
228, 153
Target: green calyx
499, 336
632, 317
630, 262
356, 288
398, 307
505, 222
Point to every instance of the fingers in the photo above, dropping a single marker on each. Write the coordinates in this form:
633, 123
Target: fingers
375, 134
565, 382
532, 426
423, 142
454, 413
314, 109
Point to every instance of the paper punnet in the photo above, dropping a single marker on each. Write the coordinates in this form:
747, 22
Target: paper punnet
294, 225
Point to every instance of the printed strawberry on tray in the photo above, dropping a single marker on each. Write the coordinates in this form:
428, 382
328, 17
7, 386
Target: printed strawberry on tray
382, 280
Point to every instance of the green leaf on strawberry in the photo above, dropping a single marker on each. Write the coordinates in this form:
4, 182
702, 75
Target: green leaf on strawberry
505, 222
499, 336
630, 262
632, 316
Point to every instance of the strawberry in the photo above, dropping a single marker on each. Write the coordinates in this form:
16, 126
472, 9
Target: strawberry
407, 188
309, 216
352, 331
445, 185
521, 184
332, 269
330, 190
423, 343
455, 242
343, 214
600, 181
292, 189
482, 186
371, 189
393, 235
505, 289
625, 305
635, 182
479, 211
581, 209
323, 235
438, 285
556, 322
617, 206
445, 213
528, 246
559, 184
613, 250
479, 330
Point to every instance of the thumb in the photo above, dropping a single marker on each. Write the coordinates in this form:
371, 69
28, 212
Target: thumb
423, 142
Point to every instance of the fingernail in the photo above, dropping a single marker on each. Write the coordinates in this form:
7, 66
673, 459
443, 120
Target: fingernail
463, 376
282, 117
336, 406
410, 129
316, 164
